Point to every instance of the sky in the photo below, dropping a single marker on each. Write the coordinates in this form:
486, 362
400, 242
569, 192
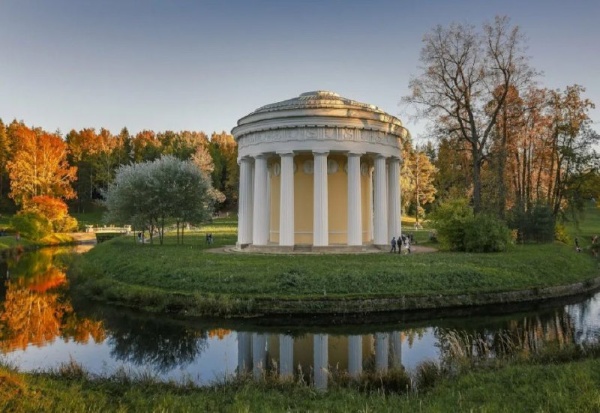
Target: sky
202, 65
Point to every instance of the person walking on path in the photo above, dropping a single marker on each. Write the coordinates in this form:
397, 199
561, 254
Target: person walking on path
393, 245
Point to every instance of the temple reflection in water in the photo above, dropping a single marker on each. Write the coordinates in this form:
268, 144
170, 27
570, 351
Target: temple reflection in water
309, 354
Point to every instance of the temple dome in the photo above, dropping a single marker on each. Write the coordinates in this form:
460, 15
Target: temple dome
319, 108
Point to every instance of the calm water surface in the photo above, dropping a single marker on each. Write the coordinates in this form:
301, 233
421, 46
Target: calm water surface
42, 327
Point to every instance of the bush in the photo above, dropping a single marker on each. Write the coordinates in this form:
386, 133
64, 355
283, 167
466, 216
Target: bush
450, 219
32, 225
534, 225
560, 234
486, 233
66, 224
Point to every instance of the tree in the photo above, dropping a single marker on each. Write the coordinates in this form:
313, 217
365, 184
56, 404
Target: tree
39, 166
225, 176
461, 73
4, 156
571, 143
150, 194
421, 174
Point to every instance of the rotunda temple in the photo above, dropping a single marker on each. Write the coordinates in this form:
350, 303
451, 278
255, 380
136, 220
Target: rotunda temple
318, 170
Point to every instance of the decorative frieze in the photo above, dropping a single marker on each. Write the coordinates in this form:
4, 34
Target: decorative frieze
318, 134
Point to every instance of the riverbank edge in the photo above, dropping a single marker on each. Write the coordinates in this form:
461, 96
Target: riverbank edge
432, 302
195, 304
64, 240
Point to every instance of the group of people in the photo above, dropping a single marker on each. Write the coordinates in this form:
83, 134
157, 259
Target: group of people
403, 240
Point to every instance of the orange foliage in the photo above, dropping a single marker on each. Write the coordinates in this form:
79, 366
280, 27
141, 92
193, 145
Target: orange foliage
220, 333
39, 166
50, 279
30, 318
52, 208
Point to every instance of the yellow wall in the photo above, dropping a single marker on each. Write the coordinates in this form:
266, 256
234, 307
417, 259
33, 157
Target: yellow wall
303, 202
337, 187
337, 346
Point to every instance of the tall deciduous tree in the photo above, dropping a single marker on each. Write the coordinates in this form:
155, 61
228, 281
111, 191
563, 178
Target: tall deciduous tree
39, 166
421, 174
4, 157
462, 69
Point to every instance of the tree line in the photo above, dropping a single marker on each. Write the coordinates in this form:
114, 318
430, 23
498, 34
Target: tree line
77, 167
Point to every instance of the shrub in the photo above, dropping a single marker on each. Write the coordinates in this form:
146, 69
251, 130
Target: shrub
560, 234
32, 225
486, 233
450, 219
536, 224
66, 224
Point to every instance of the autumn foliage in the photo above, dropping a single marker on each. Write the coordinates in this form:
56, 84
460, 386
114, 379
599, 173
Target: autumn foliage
39, 166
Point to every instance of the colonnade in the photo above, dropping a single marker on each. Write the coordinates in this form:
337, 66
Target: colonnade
253, 216
253, 354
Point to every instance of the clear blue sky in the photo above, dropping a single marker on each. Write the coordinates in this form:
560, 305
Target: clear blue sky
201, 65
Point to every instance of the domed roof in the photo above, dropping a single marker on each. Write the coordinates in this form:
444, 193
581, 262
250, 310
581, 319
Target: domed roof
317, 99
319, 108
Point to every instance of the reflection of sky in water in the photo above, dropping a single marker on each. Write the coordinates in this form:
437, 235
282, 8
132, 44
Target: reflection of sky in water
217, 361
586, 319
421, 350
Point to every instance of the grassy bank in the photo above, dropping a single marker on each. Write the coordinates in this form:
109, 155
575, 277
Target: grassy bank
188, 279
550, 387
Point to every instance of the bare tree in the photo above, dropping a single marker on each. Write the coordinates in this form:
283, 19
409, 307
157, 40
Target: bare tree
466, 76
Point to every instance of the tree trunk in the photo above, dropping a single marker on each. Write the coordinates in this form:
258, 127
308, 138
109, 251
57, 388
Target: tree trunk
476, 179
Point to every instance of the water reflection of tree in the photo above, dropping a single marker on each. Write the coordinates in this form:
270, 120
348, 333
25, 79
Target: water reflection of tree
30, 317
35, 310
161, 344
523, 337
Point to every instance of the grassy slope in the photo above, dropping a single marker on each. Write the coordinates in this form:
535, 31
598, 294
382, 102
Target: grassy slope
189, 268
571, 386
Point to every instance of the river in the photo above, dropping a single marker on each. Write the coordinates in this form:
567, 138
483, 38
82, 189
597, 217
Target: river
42, 327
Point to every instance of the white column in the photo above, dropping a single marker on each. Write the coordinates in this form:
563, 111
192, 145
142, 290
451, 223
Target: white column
382, 351
320, 214
259, 355
245, 202
286, 202
371, 207
354, 355
260, 225
354, 200
396, 349
286, 355
244, 352
380, 202
394, 197
321, 360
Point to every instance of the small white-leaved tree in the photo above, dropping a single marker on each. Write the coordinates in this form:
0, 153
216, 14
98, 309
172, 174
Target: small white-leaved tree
149, 195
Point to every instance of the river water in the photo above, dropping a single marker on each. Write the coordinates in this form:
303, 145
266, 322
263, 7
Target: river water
42, 327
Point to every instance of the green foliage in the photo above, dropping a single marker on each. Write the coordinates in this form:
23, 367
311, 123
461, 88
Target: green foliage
32, 225
150, 193
486, 233
534, 225
561, 234
450, 219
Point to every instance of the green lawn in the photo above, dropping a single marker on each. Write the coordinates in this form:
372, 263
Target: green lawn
173, 277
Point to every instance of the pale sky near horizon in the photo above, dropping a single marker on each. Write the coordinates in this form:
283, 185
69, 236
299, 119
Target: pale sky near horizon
202, 65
